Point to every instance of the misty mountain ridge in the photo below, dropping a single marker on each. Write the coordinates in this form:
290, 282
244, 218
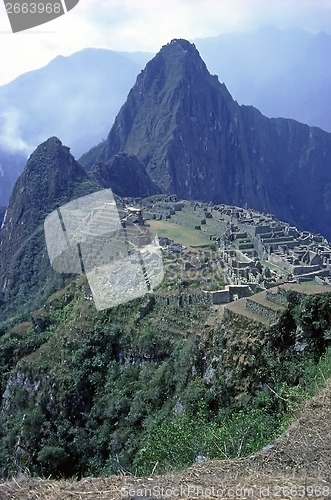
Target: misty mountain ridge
284, 73
77, 98
63, 99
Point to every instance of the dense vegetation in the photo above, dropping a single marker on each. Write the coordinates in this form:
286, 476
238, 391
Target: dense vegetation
143, 386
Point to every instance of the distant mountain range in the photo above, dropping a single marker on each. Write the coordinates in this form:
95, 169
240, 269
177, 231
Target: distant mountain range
77, 98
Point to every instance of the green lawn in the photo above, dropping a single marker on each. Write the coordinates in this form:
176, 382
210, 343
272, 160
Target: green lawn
185, 236
190, 218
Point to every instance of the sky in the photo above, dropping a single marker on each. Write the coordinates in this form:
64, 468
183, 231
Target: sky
146, 25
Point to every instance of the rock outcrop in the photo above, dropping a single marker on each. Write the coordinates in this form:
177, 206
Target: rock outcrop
125, 175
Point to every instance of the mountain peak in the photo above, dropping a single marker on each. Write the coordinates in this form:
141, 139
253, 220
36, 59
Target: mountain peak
50, 176
179, 53
180, 45
47, 155
173, 97
197, 142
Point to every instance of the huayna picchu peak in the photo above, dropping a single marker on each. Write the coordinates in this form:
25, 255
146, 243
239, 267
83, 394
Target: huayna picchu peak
50, 177
197, 142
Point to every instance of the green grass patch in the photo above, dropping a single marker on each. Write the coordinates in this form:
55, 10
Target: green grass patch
180, 234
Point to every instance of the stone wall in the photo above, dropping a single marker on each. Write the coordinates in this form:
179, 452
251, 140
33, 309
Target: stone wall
206, 297
220, 296
239, 290
297, 270
245, 246
184, 299
262, 310
278, 298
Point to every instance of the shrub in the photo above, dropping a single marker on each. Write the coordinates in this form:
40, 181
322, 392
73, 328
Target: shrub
53, 461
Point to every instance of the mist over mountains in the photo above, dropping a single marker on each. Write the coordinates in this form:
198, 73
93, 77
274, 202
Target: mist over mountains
282, 73
75, 98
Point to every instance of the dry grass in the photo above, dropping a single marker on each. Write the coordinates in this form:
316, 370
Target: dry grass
298, 465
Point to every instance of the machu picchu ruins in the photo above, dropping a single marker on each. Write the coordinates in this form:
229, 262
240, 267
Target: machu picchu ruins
255, 248
219, 254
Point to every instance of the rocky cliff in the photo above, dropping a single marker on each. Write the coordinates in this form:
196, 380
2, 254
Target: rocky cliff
125, 175
2, 214
51, 177
197, 142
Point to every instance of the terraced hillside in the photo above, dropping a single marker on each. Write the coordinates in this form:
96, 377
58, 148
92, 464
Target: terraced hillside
266, 307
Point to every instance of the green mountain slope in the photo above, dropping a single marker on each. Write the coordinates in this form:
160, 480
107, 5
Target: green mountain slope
147, 383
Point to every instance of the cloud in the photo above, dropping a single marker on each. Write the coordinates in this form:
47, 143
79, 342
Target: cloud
130, 25
148, 24
10, 133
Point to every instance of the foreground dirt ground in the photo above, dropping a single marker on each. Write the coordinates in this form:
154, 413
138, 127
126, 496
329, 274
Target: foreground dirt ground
296, 465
